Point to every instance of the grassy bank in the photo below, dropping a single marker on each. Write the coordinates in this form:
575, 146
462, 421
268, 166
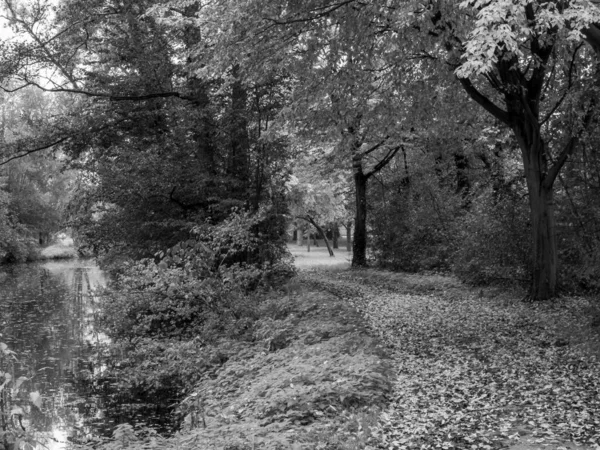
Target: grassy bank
314, 377
58, 251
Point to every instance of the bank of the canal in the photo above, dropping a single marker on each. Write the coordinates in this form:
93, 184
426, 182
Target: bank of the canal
62, 249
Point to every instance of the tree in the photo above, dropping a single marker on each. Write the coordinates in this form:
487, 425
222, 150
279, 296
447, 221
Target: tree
316, 198
161, 146
345, 91
522, 64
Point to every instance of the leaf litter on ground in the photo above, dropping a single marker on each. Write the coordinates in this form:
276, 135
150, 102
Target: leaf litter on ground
479, 372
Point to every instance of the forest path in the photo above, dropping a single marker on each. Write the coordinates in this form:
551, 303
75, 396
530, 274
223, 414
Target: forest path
475, 369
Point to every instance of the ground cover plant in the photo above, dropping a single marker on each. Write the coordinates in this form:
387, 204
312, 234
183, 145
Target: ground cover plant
309, 374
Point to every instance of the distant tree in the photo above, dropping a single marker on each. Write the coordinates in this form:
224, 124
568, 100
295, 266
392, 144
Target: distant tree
316, 198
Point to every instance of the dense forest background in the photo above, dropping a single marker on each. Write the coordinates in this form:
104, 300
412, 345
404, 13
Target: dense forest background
444, 136
183, 142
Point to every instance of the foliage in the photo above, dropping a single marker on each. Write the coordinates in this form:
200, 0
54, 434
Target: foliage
33, 192
203, 282
495, 241
415, 229
17, 404
503, 28
311, 377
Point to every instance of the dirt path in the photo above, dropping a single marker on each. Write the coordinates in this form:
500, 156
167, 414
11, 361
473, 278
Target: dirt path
474, 371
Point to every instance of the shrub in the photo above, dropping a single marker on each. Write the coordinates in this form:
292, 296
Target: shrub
415, 229
494, 240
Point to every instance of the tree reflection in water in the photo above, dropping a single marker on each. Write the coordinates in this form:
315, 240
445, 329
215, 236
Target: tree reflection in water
47, 317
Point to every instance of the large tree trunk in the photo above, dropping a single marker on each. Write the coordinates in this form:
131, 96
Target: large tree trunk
359, 243
544, 255
544, 252
349, 236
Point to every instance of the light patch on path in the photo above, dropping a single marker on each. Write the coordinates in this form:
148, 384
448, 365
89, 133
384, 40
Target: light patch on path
58, 251
318, 258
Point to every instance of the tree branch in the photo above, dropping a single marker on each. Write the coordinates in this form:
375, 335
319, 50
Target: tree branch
384, 162
570, 85
560, 161
375, 147
312, 221
485, 102
567, 150
39, 149
111, 97
324, 12
43, 46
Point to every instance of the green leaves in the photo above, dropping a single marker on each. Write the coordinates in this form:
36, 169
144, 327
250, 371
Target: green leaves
504, 29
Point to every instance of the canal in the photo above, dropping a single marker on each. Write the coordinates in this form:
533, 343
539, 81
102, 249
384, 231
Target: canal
47, 317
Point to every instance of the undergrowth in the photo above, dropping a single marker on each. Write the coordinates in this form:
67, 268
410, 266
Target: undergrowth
311, 376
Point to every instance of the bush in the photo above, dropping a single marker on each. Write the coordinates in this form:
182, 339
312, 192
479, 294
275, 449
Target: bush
415, 229
19, 249
494, 240
204, 283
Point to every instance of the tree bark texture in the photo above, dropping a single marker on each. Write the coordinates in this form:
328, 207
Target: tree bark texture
335, 234
359, 243
544, 255
349, 236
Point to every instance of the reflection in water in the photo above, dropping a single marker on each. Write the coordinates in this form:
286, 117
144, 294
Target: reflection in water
46, 316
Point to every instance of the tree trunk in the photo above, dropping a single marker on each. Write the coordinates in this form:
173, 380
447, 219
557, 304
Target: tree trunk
335, 234
300, 236
545, 260
544, 255
349, 236
321, 232
359, 244
543, 235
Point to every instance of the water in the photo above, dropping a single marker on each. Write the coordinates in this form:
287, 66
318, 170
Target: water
47, 316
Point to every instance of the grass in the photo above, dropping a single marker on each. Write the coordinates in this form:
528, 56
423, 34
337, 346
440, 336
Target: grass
58, 251
318, 257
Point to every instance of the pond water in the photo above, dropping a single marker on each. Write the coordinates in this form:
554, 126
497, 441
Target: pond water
47, 313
